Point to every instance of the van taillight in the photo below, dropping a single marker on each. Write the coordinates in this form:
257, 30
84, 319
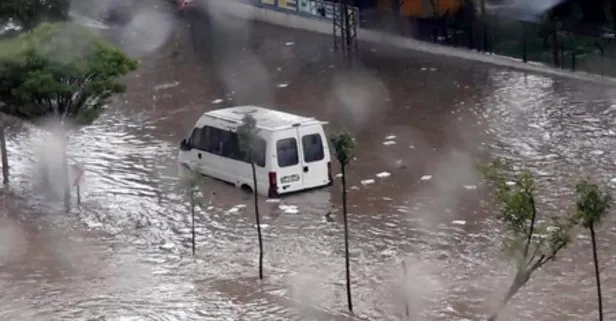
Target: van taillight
273, 184
329, 171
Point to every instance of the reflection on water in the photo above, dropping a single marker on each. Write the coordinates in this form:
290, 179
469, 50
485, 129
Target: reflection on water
124, 254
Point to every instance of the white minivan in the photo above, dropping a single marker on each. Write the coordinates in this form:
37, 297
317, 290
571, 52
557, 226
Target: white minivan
292, 153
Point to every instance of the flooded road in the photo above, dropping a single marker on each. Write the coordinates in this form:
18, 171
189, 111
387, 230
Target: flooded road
124, 254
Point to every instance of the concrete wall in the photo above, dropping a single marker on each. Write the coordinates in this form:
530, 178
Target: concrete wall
249, 11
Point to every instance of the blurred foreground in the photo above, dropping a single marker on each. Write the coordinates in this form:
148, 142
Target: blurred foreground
421, 122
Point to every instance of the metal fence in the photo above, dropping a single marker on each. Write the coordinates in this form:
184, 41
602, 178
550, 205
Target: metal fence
577, 50
317, 9
586, 50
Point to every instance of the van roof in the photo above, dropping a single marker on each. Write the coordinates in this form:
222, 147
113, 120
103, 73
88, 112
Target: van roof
267, 119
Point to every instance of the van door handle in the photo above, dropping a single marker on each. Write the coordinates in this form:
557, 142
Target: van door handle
199, 155
305, 169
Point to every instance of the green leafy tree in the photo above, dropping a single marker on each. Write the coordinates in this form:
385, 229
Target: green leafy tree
29, 13
344, 147
60, 72
528, 244
26, 14
248, 138
592, 205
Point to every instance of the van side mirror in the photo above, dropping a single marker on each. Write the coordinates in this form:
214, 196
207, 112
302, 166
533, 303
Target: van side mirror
184, 145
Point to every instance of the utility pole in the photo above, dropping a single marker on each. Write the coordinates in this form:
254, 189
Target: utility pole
484, 19
345, 22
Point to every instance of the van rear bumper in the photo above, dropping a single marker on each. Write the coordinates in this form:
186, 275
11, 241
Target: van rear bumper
275, 194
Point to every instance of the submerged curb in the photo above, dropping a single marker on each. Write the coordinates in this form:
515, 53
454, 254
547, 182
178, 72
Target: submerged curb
249, 11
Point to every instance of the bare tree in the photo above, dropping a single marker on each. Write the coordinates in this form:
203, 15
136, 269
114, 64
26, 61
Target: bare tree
344, 146
190, 185
248, 136
592, 205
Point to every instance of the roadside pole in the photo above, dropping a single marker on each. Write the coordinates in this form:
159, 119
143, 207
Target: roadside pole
77, 170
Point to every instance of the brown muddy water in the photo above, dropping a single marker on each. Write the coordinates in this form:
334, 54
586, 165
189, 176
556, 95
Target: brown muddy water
124, 254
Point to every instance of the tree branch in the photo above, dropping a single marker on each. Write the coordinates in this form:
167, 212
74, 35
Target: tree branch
531, 230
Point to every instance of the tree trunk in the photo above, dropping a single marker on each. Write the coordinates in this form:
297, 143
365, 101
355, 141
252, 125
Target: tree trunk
555, 47
65, 175
5, 158
256, 198
192, 212
517, 284
484, 20
612, 5
346, 238
597, 275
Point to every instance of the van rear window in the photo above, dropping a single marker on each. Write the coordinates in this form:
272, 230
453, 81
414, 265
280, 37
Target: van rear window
286, 151
313, 148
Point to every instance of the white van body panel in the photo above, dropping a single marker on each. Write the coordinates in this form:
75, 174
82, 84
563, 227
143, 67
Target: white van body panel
295, 149
286, 161
316, 156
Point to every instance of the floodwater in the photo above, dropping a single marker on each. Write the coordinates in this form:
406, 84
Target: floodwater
124, 253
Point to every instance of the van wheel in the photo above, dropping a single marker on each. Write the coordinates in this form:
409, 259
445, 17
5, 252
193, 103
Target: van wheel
246, 188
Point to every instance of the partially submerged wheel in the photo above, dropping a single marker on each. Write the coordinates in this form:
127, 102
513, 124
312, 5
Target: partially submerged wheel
246, 188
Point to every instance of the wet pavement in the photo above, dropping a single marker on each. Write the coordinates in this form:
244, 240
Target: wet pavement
124, 253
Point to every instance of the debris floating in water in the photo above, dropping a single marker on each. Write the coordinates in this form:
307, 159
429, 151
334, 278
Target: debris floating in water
597, 152
390, 137
387, 198
389, 142
217, 101
167, 246
367, 181
236, 208
458, 222
470, 186
282, 85
383, 174
289, 209
272, 200
289, 43
166, 86
426, 177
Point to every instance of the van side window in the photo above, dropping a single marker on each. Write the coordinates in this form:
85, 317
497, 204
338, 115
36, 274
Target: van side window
227, 144
312, 146
215, 140
204, 144
258, 152
286, 151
